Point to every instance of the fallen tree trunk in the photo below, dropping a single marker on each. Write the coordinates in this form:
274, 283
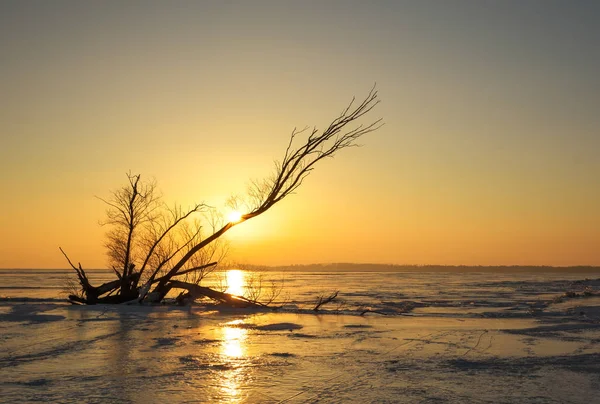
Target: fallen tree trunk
197, 291
110, 299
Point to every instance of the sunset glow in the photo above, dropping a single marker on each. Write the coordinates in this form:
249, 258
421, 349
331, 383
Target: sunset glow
482, 160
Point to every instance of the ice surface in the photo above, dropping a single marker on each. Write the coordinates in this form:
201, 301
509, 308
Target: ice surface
462, 338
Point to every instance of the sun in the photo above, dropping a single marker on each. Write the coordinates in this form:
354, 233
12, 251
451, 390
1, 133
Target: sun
234, 216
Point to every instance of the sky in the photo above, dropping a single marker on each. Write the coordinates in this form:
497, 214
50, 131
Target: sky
489, 154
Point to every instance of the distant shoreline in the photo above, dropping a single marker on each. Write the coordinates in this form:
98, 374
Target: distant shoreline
350, 267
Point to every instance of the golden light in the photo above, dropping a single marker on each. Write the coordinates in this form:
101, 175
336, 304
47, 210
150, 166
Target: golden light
235, 282
234, 216
233, 342
233, 351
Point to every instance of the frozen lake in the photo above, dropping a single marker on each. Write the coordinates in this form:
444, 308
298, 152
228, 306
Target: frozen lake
446, 337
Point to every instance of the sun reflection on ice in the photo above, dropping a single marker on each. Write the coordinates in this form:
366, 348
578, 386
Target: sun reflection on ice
233, 352
233, 340
236, 279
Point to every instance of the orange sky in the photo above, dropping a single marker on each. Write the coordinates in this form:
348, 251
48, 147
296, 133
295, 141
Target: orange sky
489, 155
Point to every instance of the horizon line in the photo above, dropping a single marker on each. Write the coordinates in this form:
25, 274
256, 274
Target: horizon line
337, 264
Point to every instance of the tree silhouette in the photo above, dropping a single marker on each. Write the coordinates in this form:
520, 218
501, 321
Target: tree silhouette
164, 244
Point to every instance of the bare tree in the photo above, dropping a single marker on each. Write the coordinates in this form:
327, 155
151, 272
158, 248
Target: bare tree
145, 233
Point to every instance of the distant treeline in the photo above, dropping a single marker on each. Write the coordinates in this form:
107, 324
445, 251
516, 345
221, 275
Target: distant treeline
350, 267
